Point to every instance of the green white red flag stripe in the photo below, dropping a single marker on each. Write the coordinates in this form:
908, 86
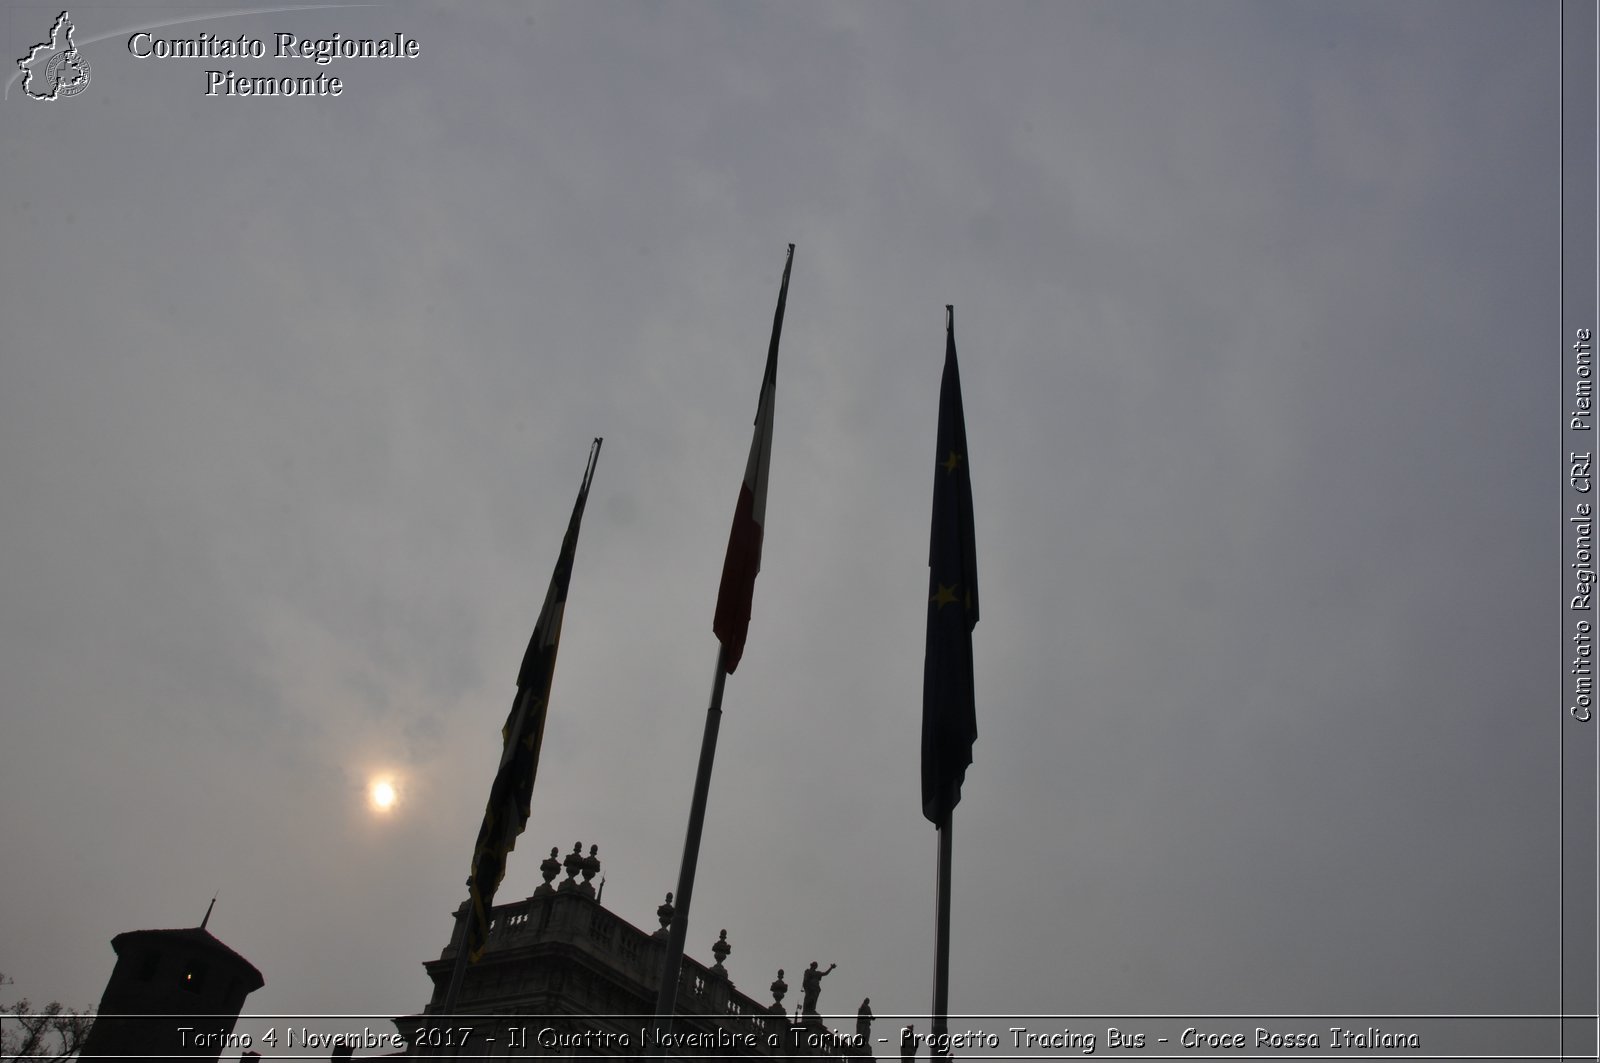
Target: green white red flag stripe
737, 590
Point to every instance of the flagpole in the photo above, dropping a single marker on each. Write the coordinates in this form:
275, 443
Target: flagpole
458, 973
730, 624
948, 719
672, 963
941, 948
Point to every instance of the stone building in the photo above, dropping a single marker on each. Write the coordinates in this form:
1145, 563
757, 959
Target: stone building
563, 975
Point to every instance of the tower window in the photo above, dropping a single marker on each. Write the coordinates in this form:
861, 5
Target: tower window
194, 976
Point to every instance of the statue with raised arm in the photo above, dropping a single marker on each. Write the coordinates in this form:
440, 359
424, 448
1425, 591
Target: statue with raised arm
811, 986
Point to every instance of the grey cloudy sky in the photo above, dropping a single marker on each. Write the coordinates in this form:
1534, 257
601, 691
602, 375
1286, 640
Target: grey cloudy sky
1253, 303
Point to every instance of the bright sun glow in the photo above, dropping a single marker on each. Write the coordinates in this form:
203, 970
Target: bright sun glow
382, 794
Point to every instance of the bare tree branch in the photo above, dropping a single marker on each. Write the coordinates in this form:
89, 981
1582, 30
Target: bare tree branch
49, 1035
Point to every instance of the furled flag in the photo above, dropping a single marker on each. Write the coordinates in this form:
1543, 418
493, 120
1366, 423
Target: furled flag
739, 568
949, 722
511, 794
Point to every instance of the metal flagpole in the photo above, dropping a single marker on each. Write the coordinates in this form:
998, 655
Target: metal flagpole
948, 727
730, 624
941, 943
939, 1045
667, 995
458, 973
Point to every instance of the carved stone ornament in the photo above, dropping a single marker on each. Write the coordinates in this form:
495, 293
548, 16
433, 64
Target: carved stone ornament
720, 950
664, 913
574, 864
590, 868
549, 867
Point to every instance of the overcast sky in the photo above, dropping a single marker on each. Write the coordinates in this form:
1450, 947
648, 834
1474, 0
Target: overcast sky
1253, 302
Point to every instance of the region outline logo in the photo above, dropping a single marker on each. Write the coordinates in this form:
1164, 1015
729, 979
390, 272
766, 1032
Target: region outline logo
65, 73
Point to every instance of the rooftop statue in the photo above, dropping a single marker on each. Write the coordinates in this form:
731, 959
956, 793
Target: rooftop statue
864, 1022
811, 986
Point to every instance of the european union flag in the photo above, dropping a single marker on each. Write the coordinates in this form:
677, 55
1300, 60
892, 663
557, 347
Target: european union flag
949, 721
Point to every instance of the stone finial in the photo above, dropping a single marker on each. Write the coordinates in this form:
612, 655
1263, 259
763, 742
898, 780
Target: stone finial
779, 987
720, 950
549, 867
664, 913
589, 868
574, 864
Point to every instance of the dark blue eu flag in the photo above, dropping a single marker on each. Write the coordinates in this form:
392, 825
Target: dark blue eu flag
949, 722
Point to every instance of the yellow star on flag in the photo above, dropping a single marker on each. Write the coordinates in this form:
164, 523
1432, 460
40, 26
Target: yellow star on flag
952, 463
944, 595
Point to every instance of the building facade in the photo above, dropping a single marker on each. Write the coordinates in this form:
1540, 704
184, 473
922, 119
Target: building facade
563, 975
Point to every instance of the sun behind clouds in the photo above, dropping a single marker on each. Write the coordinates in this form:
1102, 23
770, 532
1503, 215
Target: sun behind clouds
383, 794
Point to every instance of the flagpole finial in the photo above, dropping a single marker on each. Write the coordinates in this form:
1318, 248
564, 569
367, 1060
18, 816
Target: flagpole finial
949, 315
594, 459
210, 906
791, 249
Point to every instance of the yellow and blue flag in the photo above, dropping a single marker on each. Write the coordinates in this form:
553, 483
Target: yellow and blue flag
511, 793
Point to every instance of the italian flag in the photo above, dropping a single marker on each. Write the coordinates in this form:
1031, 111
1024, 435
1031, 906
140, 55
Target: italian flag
739, 568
